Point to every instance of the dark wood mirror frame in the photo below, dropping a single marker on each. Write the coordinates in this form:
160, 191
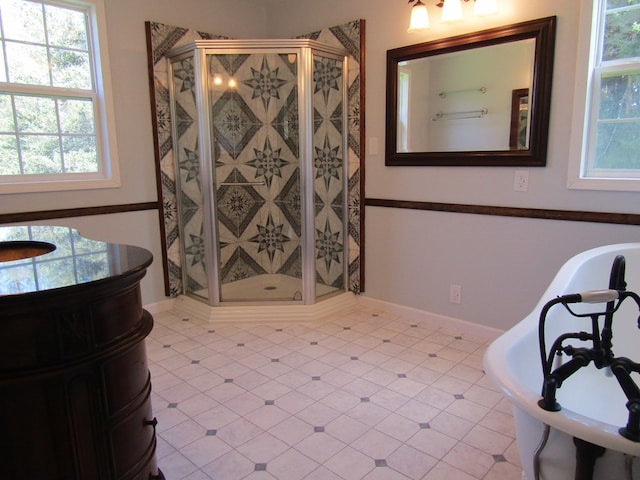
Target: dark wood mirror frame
543, 31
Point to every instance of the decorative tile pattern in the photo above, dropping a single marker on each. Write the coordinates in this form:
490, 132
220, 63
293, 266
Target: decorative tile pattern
270, 238
288, 200
265, 83
257, 153
234, 123
265, 80
238, 204
329, 170
268, 162
188, 170
241, 266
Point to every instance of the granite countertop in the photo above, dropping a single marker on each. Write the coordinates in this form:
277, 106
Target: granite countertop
74, 261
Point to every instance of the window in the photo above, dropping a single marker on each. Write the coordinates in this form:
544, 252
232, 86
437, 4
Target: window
56, 131
606, 153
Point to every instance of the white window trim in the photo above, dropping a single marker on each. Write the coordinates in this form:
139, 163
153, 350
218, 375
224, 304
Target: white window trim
109, 174
580, 137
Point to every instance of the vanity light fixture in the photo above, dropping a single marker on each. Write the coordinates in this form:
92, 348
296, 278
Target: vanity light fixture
451, 12
419, 17
485, 7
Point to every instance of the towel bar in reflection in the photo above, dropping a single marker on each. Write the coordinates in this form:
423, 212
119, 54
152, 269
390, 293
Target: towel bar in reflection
441, 116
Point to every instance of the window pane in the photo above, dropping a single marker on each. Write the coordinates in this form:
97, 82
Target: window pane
622, 35
70, 69
621, 3
80, 154
53, 273
9, 160
76, 116
61, 236
6, 114
66, 28
620, 96
41, 154
27, 64
85, 245
36, 114
3, 70
19, 276
22, 20
618, 145
92, 266
16, 233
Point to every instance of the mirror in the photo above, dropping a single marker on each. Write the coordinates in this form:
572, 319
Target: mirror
477, 99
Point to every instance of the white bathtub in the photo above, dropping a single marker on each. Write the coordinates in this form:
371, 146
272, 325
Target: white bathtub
593, 404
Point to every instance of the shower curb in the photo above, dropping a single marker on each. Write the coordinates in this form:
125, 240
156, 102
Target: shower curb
287, 312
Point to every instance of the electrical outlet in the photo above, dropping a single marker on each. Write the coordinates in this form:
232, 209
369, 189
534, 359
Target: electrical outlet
455, 294
521, 181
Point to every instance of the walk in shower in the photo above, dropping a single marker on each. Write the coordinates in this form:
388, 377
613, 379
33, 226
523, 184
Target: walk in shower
260, 158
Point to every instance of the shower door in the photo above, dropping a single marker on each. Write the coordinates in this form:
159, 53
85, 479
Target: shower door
255, 123
260, 167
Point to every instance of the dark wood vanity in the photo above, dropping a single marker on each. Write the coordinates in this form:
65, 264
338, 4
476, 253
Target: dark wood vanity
74, 381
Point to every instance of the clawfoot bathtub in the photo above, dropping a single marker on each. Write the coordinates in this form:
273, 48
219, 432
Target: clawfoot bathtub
593, 406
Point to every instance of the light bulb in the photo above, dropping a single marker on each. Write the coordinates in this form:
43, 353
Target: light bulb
485, 7
451, 11
419, 18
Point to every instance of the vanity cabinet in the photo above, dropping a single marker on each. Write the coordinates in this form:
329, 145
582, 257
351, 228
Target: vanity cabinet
75, 385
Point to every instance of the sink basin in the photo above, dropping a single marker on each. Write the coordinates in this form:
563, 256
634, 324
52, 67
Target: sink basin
18, 250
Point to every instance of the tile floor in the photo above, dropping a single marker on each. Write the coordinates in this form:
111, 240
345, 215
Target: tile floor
367, 395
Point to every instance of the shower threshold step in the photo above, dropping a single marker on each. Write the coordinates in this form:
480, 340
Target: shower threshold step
188, 307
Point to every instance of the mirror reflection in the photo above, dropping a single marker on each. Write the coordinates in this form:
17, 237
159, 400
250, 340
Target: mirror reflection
476, 99
456, 102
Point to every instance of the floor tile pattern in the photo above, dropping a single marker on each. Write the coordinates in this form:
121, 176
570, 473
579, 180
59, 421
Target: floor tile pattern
367, 395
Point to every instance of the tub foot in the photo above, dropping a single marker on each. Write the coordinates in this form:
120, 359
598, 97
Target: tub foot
586, 455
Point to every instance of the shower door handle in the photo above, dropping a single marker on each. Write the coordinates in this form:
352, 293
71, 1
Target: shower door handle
242, 184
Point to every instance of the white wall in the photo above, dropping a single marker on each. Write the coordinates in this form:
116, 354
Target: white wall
503, 264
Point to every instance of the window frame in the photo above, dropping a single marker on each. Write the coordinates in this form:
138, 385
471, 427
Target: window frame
108, 174
586, 107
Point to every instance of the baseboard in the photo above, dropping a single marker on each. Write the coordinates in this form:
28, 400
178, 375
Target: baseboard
341, 304
161, 306
477, 330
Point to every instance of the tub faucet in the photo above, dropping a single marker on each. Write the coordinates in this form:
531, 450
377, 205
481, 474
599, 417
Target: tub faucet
600, 352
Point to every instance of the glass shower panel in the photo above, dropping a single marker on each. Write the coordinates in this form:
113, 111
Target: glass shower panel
188, 185
329, 174
254, 102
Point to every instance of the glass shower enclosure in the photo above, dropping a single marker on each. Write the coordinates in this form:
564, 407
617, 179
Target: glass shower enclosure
260, 143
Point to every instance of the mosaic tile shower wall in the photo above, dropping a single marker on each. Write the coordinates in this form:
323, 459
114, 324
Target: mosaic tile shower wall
162, 38
189, 184
328, 168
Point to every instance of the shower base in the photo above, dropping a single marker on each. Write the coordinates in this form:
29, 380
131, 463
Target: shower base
188, 307
270, 288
